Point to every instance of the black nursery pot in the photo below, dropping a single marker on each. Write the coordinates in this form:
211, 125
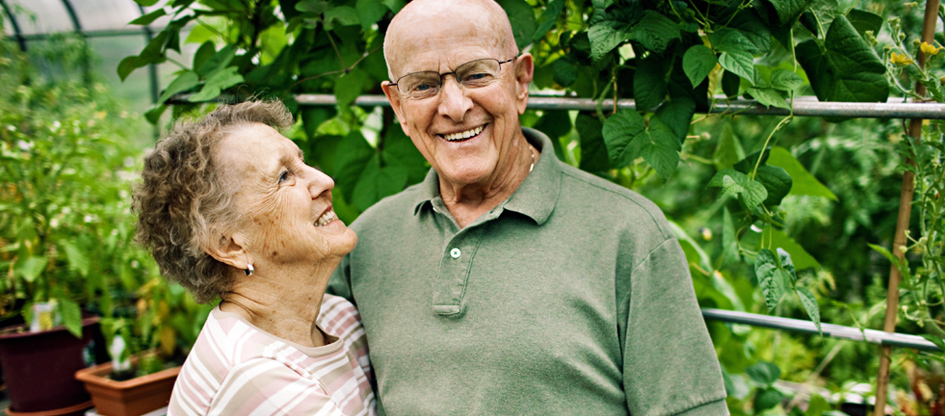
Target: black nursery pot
39, 367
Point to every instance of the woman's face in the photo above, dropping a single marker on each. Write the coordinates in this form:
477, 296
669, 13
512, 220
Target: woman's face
286, 215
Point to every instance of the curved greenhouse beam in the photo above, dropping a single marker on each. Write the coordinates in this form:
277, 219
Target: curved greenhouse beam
72, 15
16, 27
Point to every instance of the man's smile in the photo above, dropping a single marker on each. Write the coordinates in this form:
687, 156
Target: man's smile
463, 135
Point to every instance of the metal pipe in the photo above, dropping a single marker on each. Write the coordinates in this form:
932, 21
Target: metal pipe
829, 330
803, 106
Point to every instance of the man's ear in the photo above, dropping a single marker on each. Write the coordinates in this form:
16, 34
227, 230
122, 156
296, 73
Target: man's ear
393, 96
524, 71
227, 248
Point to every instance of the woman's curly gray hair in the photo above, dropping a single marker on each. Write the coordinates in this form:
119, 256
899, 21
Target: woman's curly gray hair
183, 194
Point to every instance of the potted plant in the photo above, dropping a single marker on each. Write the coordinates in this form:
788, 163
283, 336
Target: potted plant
63, 202
148, 347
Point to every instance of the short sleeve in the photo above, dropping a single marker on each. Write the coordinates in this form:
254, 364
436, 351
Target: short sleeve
670, 365
264, 386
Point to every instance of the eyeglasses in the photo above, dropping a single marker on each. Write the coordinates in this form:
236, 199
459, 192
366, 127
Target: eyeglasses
426, 84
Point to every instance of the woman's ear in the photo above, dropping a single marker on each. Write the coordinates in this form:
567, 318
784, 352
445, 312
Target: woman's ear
227, 248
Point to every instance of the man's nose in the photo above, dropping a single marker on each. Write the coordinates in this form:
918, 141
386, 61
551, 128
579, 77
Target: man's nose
453, 100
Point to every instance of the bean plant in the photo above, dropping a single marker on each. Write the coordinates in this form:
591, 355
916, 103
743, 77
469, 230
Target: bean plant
775, 213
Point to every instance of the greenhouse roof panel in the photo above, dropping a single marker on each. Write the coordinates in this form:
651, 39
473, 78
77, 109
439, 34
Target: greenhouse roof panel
39, 16
101, 15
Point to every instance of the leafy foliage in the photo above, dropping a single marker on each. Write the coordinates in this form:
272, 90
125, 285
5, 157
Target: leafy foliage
775, 190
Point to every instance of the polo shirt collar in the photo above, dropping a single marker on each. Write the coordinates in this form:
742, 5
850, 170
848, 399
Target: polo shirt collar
535, 197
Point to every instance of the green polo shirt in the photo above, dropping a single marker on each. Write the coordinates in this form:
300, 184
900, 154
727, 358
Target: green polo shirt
571, 297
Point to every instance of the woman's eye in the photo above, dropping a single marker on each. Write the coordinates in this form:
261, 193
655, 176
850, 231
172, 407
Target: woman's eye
284, 176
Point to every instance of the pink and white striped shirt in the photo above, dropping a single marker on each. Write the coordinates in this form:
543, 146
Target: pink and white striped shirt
238, 369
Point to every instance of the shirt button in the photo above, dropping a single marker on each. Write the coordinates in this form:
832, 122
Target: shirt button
454, 253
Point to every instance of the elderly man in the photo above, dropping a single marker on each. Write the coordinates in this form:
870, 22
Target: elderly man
507, 282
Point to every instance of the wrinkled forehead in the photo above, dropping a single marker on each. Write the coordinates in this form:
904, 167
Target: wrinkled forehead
440, 35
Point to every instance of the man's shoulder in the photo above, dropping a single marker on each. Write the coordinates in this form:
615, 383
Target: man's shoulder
612, 201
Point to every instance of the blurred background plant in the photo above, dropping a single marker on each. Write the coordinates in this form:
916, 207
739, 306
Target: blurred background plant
68, 155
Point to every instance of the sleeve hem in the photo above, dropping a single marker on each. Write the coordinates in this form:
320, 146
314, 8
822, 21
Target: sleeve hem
713, 408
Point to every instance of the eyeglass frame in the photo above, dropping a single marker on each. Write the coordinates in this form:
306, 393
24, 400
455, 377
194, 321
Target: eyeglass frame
441, 75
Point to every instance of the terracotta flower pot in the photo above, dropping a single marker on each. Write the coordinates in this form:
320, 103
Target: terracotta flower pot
130, 397
38, 368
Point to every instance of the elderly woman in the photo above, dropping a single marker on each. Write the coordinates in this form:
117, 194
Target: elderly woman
230, 211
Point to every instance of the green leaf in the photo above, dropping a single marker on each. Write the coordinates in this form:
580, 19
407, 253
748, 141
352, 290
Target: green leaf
548, 17
804, 182
649, 83
369, 11
349, 87
698, 62
843, 67
312, 7
654, 31
627, 137
353, 155
219, 60
342, 16
767, 399
661, 148
864, 21
183, 82
789, 10
375, 183
768, 97
565, 71
148, 18
153, 115
216, 83
127, 66
731, 40
771, 277
903, 268
71, 315
729, 149
753, 29
764, 373
619, 131
522, 17
817, 405
784, 259
78, 261
810, 305
31, 268
604, 37
730, 254
730, 84
776, 181
939, 342
739, 63
594, 153
734, 183
799, 256
784, 80
677, 114
204, 53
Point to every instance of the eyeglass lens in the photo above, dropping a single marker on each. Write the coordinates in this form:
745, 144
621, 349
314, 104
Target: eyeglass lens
426, 84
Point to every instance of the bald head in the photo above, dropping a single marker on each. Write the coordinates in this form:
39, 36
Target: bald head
481, 21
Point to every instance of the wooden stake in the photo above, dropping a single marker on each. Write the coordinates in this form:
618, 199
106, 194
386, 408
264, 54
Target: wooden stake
902, 224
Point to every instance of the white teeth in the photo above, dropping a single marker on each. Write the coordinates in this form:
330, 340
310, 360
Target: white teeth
463, 135
325, 218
